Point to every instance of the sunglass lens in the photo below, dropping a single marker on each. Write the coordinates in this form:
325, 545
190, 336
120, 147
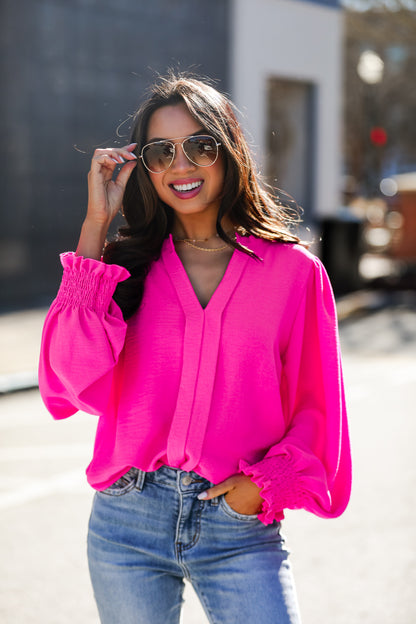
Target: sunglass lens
158, 156
201, 150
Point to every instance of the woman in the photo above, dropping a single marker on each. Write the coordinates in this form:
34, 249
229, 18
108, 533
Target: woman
205, 339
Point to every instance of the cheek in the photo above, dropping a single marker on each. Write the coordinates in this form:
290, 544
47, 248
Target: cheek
219, 170
156, 182
219, 178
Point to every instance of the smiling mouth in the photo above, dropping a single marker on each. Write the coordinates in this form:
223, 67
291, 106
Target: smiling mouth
186, 188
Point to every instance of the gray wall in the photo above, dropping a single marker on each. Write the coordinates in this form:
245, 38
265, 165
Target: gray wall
71, 73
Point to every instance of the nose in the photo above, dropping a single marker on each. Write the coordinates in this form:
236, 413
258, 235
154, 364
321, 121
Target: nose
180, 161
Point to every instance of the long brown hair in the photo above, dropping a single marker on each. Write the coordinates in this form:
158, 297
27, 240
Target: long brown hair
245, 199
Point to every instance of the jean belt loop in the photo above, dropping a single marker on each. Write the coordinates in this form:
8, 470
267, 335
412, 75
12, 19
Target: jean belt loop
141, 476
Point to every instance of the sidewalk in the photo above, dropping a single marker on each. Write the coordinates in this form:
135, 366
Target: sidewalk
358, 568
20, 335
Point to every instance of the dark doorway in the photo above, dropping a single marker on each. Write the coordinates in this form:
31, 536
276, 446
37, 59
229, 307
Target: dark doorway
291, 140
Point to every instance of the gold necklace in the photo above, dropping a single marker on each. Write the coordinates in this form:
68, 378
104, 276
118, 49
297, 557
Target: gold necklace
202, 240
191, 242
188, 241
195, 240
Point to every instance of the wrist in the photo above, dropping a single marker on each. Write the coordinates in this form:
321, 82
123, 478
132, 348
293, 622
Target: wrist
96, 225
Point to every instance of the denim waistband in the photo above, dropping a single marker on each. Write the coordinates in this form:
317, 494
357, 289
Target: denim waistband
173, 477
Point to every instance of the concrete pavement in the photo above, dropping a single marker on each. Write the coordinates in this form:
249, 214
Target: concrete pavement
358, 568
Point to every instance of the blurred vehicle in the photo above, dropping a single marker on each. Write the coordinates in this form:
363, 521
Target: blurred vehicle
401, 217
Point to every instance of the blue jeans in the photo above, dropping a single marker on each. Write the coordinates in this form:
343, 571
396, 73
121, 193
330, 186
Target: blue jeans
149, 531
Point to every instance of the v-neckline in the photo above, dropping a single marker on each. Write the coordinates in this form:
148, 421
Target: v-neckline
183, 285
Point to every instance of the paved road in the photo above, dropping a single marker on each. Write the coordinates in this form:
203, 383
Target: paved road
358, 568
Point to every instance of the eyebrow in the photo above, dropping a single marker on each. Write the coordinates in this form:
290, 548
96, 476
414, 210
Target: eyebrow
197, 133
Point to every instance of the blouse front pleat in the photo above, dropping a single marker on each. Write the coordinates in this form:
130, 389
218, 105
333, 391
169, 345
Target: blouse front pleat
200, 354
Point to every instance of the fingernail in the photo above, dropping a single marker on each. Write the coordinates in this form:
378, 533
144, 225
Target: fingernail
131, 145
202, 495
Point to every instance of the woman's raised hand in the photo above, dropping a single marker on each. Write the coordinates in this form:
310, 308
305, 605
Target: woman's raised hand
105, 196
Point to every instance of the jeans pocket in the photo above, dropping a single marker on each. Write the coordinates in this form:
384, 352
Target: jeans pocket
234, 514
123, 485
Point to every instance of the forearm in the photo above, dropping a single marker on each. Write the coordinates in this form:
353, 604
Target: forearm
91, 240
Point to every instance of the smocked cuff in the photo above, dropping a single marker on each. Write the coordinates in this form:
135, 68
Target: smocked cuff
281, 487
88, 283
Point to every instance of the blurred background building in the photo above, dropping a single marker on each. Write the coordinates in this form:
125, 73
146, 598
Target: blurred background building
74, 73
379, 148
287, 76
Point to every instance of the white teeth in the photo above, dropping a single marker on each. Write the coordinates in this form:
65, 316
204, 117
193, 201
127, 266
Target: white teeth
186, 187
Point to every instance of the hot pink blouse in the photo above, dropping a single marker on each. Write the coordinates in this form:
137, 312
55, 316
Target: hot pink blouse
251, 383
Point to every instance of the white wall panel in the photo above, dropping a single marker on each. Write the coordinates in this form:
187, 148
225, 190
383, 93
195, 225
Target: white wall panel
298, 41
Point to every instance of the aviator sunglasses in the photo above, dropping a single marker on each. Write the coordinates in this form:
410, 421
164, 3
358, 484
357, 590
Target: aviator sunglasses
200, 150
